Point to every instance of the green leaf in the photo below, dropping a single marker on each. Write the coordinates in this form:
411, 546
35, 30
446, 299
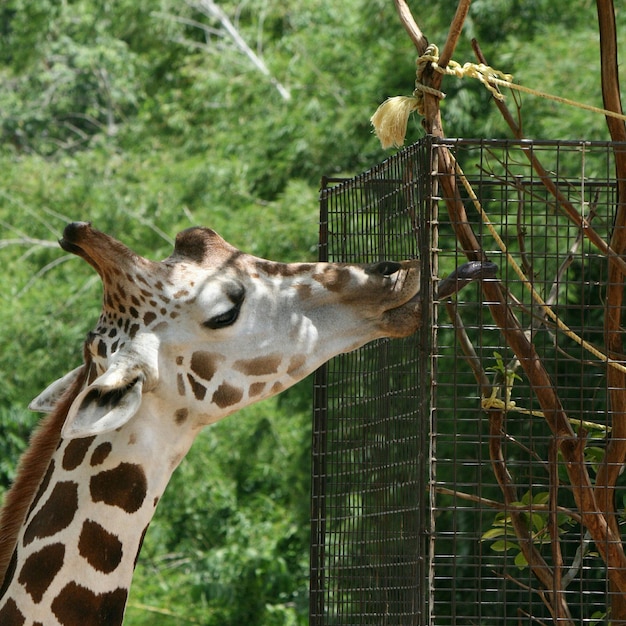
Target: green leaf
492, 533
543, 497
501, 546
520, 560
539, 521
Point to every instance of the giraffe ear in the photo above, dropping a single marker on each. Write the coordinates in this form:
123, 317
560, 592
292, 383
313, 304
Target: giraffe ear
47, 399
108, 403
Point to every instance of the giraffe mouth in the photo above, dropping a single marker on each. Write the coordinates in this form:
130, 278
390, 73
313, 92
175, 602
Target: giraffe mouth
403, 316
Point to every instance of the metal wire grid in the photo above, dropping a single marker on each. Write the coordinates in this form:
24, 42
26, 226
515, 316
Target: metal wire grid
369, 454
381, 486
479, 575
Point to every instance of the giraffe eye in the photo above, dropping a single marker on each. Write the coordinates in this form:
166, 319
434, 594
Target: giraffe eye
235, 292
225, 319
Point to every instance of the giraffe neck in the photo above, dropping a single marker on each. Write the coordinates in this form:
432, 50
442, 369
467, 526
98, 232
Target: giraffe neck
76, 551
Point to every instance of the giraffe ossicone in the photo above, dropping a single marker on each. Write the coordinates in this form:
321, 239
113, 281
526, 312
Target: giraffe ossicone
179, 344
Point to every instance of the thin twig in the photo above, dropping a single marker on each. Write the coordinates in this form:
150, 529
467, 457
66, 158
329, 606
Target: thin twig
211, 9
413, 30
569, 209
454, 33
500, 506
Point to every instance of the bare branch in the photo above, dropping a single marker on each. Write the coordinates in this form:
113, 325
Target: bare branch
211, 9
615, 455
413, 30
454, 33
28, 241
41, 272
569, 209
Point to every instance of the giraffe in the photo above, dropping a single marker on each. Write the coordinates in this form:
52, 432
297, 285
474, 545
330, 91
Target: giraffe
179, 345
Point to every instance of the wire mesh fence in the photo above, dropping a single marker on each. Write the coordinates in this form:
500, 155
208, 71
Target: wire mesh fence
440, 493
369, 459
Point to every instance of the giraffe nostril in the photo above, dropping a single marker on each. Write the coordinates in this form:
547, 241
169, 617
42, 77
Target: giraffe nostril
386, 268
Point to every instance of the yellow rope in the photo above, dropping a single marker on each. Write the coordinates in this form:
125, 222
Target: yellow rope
495, 403
516, 268
492, 402
484, 73
391, 118
492, 78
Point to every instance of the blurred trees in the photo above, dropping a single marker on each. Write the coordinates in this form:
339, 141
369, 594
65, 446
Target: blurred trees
143, 118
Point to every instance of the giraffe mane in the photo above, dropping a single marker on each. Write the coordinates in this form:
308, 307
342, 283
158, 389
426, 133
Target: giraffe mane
31, 469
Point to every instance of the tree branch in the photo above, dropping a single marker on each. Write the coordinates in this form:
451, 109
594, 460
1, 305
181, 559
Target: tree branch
211, 9
569, 209
606, 538
413, 30
615, 455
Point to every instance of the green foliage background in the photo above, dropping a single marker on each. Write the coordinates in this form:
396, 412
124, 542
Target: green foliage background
130, 115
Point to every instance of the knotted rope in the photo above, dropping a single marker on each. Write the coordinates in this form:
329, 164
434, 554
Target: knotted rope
392, 116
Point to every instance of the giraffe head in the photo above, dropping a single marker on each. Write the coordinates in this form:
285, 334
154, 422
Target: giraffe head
211, 329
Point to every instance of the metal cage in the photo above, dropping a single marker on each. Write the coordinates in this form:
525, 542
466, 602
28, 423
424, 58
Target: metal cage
410, 524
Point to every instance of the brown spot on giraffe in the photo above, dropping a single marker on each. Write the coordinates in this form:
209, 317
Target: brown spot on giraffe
56, 514
77, 606
181, 416
124, 486
11, 615
304, 290
180, 384
283, 269
335, 279
277, 387
205, 364
226, 395
259, 366
40, 569
199, 391
75, 452
256, 389
101, 453
101, 549
295, 363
